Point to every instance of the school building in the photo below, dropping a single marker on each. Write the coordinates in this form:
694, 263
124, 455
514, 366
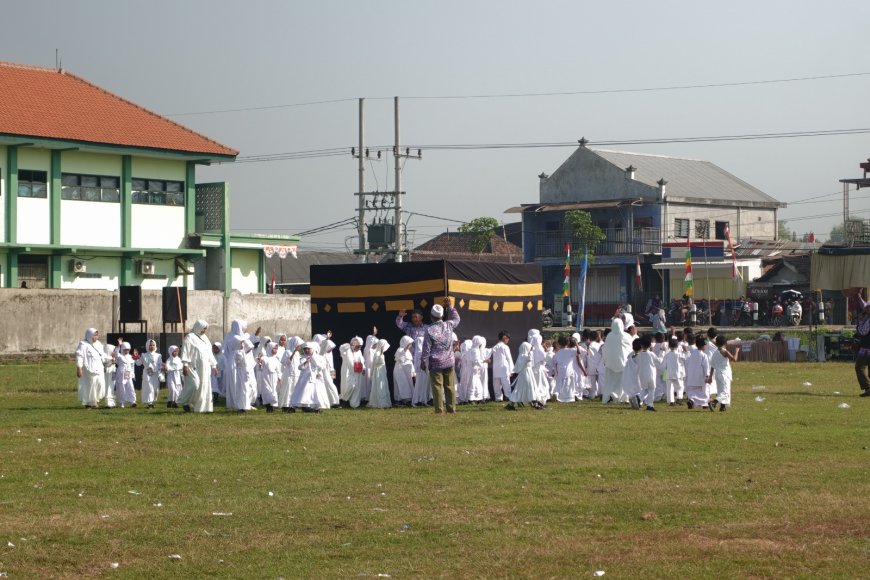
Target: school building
97, 192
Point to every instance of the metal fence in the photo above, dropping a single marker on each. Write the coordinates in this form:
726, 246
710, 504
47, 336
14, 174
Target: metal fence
551, 244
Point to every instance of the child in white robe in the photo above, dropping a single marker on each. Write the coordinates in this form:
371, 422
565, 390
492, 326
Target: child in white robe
379, 398
422, 386
172, 369
111, 367
697, 376
550, 367
565, 381
539, 371
217, 380
674, 371
630, 378
289, 372
525, 387
647, 369
244, 383
463, 366
720, 364
353, 372
326, 348
659, 350
576, 344
270, 373
477, 386
126, 394
152, 364
309, 394
403, 373
369, 354
593, 356
502, 365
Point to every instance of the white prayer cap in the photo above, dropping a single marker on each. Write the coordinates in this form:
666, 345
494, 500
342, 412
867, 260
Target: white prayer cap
125, 346
576, 336
437, 311
218, 344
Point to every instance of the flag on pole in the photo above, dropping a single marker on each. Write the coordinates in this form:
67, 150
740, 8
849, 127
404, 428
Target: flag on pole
637, 279
687, 284
812, 238
566, 289
584, 265
734, 271
272, 284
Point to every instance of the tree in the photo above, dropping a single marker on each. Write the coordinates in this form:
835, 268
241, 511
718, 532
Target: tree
783, 233
479, 232
585, 231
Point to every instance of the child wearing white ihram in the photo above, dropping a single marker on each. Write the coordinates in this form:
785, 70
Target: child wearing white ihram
111, 367
353, 372
477, 387
403, 373
379, 398
697, 376
326, 348
309, 394
674, 371
289, 372
576, 343
124, 376
269, 368
173, 376
502, 365
524, 387
720, 364
630, 376
152, 364
647, 369
565, 382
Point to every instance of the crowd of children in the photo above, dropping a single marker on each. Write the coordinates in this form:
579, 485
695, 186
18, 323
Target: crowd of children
288, 373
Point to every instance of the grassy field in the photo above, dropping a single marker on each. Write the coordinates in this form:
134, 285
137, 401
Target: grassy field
773, 488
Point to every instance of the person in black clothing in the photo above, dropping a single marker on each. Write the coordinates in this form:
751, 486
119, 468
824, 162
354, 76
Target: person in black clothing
862, 335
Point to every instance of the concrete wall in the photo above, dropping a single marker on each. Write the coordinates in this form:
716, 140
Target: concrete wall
755, 223
54, 321
585, 176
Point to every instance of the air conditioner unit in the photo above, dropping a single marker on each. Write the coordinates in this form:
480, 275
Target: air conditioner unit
77, 266
146, 267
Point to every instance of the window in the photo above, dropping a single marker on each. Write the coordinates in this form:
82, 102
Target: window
721, 230
90, 187
702, 229
158, 191
32, 183
681, 228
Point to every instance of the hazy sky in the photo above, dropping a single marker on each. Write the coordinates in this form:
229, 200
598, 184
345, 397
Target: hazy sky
180, 57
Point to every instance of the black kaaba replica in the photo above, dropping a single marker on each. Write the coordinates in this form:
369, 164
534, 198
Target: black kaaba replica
349, 299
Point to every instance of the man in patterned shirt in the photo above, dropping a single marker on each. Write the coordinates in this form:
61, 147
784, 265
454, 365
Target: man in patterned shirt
437, 357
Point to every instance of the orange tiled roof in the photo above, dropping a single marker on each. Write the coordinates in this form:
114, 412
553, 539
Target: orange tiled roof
52, 104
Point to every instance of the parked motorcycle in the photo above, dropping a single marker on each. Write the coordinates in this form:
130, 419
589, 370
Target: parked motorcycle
795, 313
776, 314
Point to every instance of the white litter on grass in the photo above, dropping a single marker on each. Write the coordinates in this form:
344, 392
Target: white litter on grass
114, 565
221, 513
158, 504
844, 405
598, 573
39, 440
836, 392
759, 399
10, 544
46, 473
134, 492
384, 576
759, 388
104, 516
271, 494
175, 557
81, 494
808, 384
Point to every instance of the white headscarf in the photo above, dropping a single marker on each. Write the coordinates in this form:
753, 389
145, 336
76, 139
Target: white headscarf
405, 342
383, 346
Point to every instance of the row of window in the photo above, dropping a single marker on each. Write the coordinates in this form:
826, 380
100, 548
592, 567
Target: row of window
105, 188
702, 229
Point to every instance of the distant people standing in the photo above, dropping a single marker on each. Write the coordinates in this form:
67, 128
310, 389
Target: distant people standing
438, 358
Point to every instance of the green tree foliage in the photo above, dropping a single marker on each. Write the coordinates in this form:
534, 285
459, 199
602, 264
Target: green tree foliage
784, 232
479, 230
585, 231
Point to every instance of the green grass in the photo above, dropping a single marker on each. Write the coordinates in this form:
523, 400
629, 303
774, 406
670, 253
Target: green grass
769, 489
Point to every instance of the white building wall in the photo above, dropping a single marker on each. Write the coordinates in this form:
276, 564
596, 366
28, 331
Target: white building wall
157, 226
34, 218
90, 223
758, 224
164, 274
108, 268
34, 221
3, 193
246, 266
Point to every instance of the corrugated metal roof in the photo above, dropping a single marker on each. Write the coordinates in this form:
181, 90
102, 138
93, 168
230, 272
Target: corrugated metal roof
688, 178
541, 207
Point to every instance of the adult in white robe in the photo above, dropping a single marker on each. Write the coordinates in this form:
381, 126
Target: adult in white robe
231, 346
90, 369
617, 347
199, 364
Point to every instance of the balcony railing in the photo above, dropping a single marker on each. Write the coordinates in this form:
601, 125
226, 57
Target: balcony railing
617, 242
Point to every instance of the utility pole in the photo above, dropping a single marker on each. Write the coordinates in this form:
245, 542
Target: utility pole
398, 183
362, 184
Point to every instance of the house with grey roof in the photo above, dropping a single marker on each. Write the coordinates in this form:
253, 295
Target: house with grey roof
641, 202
